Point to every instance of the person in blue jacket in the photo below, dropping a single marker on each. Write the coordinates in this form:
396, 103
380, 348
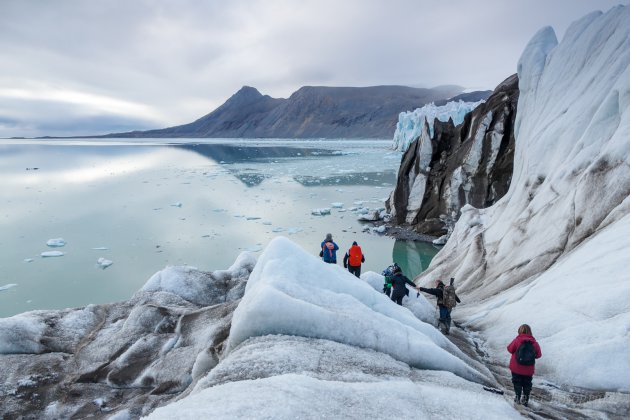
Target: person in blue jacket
329, 250
399, 288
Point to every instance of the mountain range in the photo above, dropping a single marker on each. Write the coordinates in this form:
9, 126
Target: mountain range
311, 112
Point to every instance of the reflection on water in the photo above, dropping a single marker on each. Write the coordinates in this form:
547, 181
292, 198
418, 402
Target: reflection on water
145, 206
413, 257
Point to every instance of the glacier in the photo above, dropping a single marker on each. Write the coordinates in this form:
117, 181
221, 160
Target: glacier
553, 251
410, 124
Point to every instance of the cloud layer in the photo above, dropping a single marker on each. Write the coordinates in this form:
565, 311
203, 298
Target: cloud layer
73, 67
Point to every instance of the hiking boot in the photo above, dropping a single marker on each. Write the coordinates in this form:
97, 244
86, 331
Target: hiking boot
525, 400
517, 399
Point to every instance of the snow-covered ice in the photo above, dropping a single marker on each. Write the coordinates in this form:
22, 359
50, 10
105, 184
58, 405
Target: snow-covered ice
410, 124
321, 212
56, 242
7, 286
553, 252
103, 263
52, 254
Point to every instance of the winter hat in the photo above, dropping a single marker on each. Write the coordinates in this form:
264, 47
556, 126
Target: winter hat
329, 237
355, 243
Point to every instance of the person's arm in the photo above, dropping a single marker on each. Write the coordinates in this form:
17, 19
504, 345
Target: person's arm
434, 292
457, 298
362, 258
512, 346
336, 247
345, 260
409, 282
537, 349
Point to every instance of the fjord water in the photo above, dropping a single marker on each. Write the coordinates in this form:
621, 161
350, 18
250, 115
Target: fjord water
145, 205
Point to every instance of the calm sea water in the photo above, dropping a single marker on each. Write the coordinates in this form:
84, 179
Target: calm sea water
145, 205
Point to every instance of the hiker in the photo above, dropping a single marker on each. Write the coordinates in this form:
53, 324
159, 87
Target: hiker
353, 259
388, 273
398, 281
329, 250
447, 299
525, 350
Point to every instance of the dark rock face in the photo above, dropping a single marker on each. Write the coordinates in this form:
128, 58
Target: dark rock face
468, 164
310, 112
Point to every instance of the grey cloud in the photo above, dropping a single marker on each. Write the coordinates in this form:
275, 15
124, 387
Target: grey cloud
180, 57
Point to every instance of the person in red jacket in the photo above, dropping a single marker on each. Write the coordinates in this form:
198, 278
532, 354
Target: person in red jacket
522, 362
353, 259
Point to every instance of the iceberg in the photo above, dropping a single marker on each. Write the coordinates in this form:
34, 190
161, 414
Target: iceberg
410, 124
47, 254
56, 242
103, 263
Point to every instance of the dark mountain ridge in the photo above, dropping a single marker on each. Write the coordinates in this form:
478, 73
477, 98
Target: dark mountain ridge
310, 112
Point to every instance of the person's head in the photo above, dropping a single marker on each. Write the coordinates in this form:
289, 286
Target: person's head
525, 329
439, 283
329, 237
355, 243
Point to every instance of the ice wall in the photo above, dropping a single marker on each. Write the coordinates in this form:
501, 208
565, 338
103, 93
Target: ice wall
569, 190
410, 124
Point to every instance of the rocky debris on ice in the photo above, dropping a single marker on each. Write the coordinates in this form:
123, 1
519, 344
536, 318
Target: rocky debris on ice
132, 356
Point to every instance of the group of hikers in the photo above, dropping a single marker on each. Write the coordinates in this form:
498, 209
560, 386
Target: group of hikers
524, 348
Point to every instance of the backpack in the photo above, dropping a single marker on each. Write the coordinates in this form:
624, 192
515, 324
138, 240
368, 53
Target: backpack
449, 299
355, 256
526, 354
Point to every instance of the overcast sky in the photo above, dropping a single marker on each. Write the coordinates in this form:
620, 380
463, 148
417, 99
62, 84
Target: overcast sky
91, 67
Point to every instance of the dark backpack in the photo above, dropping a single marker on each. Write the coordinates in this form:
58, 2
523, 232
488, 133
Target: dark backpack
449, 299
526, 354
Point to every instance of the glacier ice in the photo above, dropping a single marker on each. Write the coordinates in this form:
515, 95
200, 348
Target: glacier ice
410, 124
546, 252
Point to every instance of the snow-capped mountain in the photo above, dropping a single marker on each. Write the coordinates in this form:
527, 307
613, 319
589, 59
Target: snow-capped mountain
553, 252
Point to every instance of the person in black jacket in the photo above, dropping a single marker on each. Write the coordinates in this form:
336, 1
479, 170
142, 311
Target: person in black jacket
445, 307
399, 290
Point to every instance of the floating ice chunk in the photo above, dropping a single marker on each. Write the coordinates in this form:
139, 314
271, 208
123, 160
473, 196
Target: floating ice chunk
336, 205
52, 254
341, 211
103, 263
277, 229
7, 286
320, 212
441, 240
56, 242
379, 229
252, 218
100, 248
358, 203
267, 223
28, 260
372, 216
178, 204
219, 210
